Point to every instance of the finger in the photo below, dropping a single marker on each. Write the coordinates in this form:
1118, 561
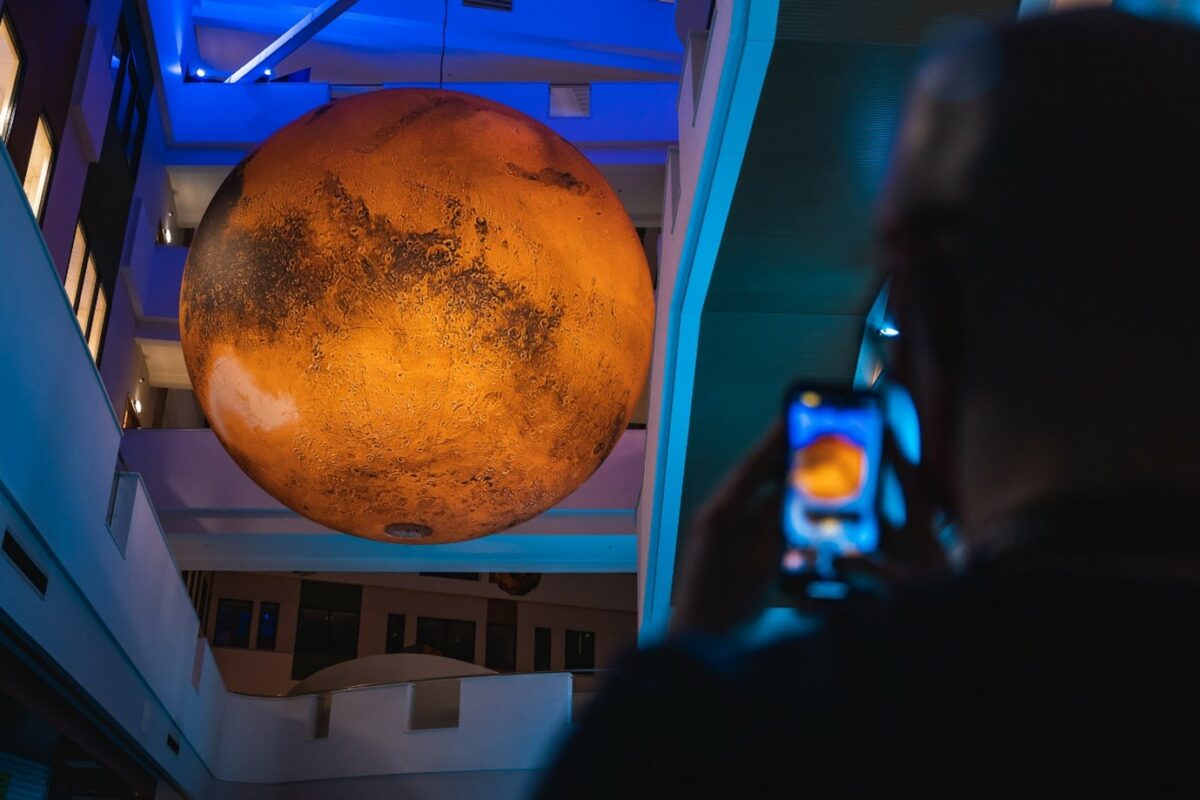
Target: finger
893, 453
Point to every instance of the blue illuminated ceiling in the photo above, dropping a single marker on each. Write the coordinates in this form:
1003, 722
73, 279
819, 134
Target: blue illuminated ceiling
378, 41
627, 49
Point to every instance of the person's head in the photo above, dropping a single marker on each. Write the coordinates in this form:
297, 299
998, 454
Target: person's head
1041, 223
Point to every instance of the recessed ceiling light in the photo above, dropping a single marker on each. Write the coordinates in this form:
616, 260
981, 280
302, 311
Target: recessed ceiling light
267, 72
200, 73
888, 331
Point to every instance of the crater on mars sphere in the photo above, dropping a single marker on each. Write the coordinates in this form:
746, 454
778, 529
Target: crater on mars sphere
417, 315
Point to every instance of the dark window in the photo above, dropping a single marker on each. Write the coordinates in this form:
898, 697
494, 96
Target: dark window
395, 634
326, 627
11, 63
501, 651
130, 99
541, 649
23, 562
268, 626
455, 576
233, 623
581, 650
119, 52
453, 638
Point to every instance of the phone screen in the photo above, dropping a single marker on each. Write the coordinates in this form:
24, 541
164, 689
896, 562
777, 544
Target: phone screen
835, 438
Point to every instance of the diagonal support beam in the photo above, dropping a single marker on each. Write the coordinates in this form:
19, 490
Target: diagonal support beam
308, 27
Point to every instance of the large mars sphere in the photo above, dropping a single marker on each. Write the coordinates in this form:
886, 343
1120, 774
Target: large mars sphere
417, 316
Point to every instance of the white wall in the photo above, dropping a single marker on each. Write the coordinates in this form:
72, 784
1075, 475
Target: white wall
269, 740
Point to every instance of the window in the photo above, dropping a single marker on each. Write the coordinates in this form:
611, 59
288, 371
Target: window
233, 623
501, 653
454, 576
268, 626
129, 112
37, 173
453, 638
541, 649
581, 650
85, 293
395, 634
326, 627
10, 73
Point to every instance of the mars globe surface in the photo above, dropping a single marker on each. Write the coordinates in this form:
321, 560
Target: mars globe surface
417, 315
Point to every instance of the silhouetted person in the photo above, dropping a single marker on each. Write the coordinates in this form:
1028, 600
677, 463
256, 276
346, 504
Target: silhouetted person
1041, 223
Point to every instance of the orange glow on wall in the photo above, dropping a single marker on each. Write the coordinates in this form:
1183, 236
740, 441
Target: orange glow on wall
417, 316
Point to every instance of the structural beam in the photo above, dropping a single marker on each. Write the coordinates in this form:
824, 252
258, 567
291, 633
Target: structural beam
309, 26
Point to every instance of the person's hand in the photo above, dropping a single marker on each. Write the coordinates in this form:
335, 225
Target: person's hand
909, 551
730, 566
731, 555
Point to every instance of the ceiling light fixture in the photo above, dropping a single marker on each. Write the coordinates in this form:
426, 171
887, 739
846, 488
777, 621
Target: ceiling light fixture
200, 73
889, 331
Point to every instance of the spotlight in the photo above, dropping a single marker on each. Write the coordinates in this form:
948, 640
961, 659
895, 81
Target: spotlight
889, 331
200, 73
267, 72
137, 405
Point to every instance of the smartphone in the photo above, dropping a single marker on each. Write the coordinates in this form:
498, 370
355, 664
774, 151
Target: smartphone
831, 485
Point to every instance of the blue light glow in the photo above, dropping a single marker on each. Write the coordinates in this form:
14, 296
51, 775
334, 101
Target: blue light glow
889, 331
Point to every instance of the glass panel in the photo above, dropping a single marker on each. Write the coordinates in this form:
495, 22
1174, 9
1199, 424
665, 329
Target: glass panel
127, 88
10, 68
131, 135
395, 634
98, 324
37, 174
233, 623
268, 626
453, 638
119, 52
541, 649
501, 653
75, 266
84, 305
581, 650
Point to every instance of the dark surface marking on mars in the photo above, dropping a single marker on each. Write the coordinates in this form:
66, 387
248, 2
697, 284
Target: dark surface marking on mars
267, 277
550, 177
393, 129
527, 330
